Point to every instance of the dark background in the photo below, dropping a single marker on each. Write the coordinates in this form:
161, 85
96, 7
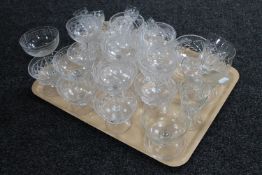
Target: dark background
38, 138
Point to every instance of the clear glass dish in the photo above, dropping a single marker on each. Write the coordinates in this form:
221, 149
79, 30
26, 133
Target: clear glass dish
40, 41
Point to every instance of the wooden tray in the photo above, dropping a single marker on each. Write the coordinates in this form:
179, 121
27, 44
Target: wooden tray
134, 136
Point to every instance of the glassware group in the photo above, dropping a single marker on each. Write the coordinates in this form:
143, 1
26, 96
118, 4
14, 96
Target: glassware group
127, 63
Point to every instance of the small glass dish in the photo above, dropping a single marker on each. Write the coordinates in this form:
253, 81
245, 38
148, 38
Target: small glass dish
42, 70
40, 41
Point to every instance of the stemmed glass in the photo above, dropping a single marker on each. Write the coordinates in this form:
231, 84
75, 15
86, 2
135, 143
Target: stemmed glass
75, 84
115, 102
116, 110
189, 50
164, 130
85, 29
218, 57
195, 94
41, 43
119, 40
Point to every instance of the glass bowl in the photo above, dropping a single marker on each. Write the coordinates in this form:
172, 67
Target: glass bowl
41, 68
40, 41
66, 68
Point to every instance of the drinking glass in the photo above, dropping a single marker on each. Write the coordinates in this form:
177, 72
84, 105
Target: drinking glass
164, 130
157, 33
119, 41
114, 77
41, 42
116, 110
79, 91
158, 62
66, 68
189, 50
194, 94
154, 92
85, 30
218, 57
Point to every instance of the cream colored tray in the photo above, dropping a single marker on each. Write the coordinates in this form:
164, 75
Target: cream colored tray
134, 136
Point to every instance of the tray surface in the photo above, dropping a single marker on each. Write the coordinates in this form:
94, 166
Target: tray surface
134, 137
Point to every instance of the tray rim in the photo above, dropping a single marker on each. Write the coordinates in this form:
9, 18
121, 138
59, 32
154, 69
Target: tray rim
201, 133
